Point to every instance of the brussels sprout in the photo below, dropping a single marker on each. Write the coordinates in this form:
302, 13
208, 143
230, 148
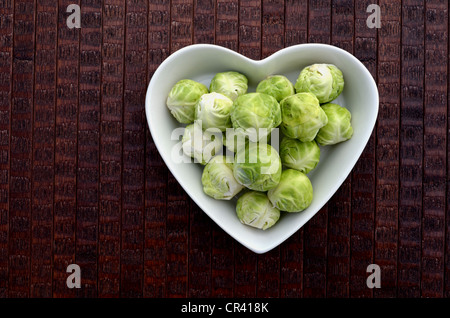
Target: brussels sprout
218, 180
255, 115
302, 116
254, 209
201, 145
323, 80
302, 156
182, 100
213, 109
277, 86
338, 128
231, 84
294, 192
257, 166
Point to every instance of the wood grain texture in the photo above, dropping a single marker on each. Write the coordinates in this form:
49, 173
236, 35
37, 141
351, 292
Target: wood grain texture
88, 176
227, 23
111, 127
6, 62
291, 252
387, 147
340, 206
246, 262
200, 230
315, 231
43, 149
411, 150
156, 172
222, 253
21, 139
178, 202
363, 194
81, 180
133, 172
272, 40
66, 148
435, 148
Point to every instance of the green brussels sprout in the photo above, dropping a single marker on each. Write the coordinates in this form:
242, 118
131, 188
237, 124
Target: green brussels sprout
218, 180
277, 86
255, 115
254, 209
323, 80
339, 127
182, 100
257, 166
294, 192
302, 156
201, 145
302, 116
213, 109
231, 84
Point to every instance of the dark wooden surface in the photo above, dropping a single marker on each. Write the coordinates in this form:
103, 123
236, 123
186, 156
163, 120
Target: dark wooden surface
82, 182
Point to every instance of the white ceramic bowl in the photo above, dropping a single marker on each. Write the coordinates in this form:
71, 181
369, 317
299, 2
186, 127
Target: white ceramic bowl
200, 62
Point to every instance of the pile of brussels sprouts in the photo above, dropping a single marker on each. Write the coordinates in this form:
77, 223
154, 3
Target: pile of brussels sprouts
265, 182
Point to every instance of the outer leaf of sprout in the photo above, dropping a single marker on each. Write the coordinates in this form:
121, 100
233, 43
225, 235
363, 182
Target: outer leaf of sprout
302, 116
254, 209
182, 100
213, 109
294, 192
277, 86
257, 166
325, 81
231, 84
218, 180
255, 115
302, 156
339, 127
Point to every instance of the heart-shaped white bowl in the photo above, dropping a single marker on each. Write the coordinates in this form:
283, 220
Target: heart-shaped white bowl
201, 62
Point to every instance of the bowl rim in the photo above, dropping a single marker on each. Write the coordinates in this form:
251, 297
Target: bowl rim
286, 50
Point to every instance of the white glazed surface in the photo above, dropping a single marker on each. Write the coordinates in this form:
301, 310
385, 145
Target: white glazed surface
201, 62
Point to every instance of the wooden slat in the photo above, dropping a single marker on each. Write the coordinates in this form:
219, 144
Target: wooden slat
411, 149
21, 139
155, 169
111, 127
273, 23
133, 176
200, 225
435, 148
66, 123
339, 207
387, 147
291, 252
245, 268
222, 257
363, 177
315, 231
250, 28
178, 202
6, 61
296, 22
272, 29
227, 23
89, 145
43, 149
